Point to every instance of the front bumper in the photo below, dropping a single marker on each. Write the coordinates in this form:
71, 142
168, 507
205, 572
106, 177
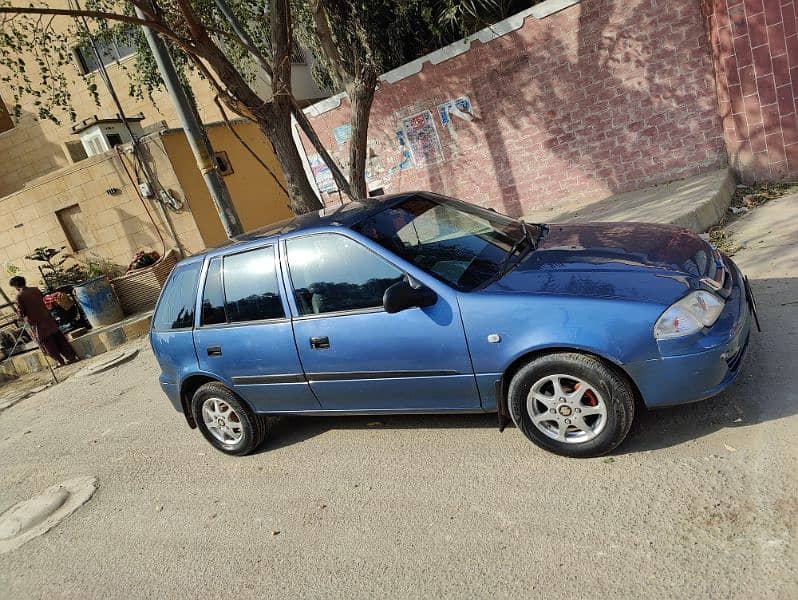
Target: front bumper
679, 377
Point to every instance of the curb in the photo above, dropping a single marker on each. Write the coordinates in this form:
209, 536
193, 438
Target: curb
709, 214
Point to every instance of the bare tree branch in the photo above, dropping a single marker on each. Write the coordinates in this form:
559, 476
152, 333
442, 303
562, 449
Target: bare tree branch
307, 129
89, 14
324, 33
194, 27
248, 148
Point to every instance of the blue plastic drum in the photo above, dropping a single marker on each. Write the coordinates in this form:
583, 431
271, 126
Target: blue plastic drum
98, 301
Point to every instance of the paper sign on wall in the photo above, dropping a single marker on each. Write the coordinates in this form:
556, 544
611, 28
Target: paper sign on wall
422, 137
460, 108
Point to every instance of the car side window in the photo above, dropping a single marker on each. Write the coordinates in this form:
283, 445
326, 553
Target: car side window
176, 306
213, 311
332, 273
250, 286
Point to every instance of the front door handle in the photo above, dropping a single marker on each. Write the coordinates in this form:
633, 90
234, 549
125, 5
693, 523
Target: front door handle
214, 350
318, 343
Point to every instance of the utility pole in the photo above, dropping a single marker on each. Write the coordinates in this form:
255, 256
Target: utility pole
189, 119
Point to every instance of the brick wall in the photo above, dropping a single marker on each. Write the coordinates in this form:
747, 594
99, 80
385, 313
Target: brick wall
755, 53
602, 97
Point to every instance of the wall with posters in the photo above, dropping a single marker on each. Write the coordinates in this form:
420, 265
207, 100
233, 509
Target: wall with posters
565, 101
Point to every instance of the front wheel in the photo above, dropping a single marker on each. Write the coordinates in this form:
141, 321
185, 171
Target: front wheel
571, 404
225, 421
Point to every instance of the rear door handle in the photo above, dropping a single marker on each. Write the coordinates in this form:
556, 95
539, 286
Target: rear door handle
318, 343
214, 350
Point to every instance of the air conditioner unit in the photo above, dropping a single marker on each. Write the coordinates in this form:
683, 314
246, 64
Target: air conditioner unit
100, 135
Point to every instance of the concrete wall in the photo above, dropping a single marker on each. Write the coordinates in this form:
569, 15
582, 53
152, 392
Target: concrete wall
36, 146
258, 198
755, 53
116, 225
600, 97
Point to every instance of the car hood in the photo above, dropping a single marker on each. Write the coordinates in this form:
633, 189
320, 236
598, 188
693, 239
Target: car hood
634, 261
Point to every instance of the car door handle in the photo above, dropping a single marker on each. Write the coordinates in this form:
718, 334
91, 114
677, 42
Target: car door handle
317, 343
214, 350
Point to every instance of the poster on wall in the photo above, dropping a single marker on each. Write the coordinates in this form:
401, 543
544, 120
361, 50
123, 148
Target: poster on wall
322, 174
406, 161
460, 107
342, 134
422, 137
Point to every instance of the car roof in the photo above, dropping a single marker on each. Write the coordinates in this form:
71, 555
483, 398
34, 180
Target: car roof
346, 214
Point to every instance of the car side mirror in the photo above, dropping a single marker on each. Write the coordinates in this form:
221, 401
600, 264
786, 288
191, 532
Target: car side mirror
401, 296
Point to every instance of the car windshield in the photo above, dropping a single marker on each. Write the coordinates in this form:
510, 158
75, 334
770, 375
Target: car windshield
460, 244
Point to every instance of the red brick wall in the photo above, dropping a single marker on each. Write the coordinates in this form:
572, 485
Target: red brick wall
755, 53
602, 97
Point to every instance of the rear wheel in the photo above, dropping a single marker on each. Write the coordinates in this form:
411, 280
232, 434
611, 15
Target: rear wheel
571, 404
226, 421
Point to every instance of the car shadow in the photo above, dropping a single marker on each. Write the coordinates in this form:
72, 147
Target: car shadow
294, 429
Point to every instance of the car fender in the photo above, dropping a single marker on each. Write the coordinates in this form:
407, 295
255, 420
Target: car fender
502, 329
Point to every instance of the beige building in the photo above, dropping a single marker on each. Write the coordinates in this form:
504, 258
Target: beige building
77, 185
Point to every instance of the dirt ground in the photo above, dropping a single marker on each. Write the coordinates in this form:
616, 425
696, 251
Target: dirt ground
699, 502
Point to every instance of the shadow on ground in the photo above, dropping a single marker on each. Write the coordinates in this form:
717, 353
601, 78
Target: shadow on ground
296, 429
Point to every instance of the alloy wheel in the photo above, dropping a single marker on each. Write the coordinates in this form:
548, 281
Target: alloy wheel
222, 421
566, 408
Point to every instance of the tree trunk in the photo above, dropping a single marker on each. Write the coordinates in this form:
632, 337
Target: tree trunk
313, 137
361, 95
273, 118
277, 128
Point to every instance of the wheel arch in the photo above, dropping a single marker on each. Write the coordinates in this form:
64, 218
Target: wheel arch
188, 388
510, 371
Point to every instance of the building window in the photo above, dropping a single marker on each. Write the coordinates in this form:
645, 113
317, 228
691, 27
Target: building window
110, 51
6, 122
75, 151
75, 228
114, 139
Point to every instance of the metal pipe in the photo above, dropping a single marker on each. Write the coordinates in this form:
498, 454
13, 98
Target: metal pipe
189, 120
135, 143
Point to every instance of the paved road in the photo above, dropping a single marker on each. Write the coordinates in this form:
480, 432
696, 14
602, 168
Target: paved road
700, 502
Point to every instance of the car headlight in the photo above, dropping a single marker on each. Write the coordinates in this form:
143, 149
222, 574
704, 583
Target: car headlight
692, 313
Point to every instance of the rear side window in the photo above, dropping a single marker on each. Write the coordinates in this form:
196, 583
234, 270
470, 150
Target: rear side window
213, 311
176, 307
250, 286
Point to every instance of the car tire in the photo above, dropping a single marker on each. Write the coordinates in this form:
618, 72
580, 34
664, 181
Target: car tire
226, 421
571, 404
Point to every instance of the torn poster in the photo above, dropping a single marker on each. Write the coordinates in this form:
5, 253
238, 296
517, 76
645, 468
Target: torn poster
322, 174
461, 108
407, 158
422, 136
342, 134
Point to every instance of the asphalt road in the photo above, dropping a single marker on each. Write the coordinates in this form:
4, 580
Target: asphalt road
700, 502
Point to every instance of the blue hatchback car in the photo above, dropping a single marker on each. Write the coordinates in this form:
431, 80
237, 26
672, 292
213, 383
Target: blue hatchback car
417, 303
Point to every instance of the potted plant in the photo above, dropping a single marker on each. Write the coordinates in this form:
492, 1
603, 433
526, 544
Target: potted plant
87, 279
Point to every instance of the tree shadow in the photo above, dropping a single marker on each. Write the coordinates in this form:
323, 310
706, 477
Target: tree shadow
28, 154
622, 109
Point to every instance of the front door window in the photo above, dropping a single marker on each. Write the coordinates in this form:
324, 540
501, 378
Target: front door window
332, 273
